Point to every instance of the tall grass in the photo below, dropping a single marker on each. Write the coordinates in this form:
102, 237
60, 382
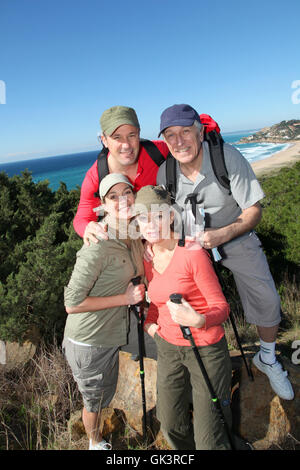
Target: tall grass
289, 329
36, 400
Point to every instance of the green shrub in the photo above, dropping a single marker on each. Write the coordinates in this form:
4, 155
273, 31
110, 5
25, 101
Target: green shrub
38, 247
37, 253
279, 229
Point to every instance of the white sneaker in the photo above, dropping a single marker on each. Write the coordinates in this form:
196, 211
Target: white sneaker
277, 376
103, 445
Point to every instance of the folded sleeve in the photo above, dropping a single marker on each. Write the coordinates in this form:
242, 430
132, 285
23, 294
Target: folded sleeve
244, 185
209, 286
87, 269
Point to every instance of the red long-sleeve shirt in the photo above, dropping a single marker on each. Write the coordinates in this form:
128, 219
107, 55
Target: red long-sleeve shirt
190, 273
146, 174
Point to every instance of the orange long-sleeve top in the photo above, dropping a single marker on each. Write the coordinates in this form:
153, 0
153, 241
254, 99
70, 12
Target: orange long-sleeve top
190, 273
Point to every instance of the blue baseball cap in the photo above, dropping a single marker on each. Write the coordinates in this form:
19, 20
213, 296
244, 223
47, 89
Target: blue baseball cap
178, 115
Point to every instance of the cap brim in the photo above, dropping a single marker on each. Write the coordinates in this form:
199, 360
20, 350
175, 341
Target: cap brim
122, 122
102, 196
178, 122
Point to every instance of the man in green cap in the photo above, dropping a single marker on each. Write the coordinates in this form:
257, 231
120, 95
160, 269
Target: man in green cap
136, 159
128, 155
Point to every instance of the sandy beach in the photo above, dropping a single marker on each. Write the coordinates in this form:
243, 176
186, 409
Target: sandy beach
285, 158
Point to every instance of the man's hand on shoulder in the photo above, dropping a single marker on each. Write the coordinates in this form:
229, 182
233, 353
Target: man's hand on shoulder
94, 230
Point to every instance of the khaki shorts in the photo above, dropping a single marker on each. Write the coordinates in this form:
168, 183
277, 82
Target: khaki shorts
95, 370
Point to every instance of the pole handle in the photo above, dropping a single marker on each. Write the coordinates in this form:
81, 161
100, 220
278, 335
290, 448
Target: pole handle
176, 299
136, 280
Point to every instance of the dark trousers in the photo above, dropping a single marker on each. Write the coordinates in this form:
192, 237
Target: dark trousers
177, 372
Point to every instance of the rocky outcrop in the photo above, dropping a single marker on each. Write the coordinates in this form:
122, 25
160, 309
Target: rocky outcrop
14, 354
285, 131
126, 406
260, 416
128, 396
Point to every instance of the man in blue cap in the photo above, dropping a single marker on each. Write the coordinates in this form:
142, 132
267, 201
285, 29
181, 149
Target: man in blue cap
232, 216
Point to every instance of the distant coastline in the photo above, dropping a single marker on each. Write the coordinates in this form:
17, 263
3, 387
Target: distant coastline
282, 132
279, 160
71, 168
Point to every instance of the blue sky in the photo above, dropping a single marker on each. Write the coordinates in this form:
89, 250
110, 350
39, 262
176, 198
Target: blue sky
64, 62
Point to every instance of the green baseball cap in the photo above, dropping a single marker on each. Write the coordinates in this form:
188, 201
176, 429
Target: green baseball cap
117, 116
151, 198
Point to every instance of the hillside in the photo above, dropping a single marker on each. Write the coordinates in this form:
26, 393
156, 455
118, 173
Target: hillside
284, 131
38, 247
39, 399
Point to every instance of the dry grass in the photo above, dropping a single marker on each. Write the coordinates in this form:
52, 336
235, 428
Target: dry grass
37, 400
290, 443
290, 327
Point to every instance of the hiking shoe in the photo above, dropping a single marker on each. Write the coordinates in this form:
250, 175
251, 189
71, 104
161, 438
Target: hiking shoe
277, 376
103, 445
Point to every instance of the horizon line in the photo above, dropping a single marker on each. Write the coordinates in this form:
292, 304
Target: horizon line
32, 156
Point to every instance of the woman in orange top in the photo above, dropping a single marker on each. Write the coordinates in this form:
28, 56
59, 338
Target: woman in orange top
187, 271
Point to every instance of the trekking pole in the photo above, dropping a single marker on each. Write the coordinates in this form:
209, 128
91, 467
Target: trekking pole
249, 371
138, 311
176, 298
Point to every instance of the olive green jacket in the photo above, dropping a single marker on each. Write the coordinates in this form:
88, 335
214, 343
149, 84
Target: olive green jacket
101, 269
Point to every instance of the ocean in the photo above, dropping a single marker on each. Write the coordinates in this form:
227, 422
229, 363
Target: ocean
71, 168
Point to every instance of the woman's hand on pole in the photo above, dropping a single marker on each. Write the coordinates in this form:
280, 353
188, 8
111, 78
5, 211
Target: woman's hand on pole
185, 315
134, 294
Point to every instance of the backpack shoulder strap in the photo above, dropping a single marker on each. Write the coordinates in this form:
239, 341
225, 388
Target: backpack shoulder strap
102, 167
171, 175
153, 151
216, 150
150, 148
